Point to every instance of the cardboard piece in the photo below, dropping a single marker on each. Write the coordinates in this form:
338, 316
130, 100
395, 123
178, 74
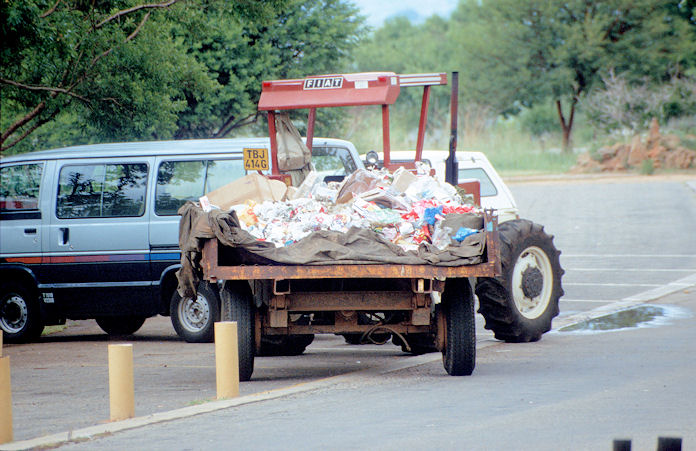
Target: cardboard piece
253, 186
403, 179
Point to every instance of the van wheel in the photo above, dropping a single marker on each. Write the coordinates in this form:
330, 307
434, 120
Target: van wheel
120, 325
20, 319
194, 319
519, 305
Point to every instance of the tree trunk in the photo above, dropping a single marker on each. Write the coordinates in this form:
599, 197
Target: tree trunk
566, 125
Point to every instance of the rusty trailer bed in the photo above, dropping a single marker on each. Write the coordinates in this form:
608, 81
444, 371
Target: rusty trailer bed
490, 268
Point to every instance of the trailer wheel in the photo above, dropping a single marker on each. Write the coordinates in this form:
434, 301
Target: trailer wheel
237, 305
194, 319
459, 353
519, 305
120, 325
20, 319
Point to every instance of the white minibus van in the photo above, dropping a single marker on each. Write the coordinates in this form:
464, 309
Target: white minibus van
92, 231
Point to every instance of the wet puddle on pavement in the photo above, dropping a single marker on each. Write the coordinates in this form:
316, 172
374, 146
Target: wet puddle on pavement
640, 316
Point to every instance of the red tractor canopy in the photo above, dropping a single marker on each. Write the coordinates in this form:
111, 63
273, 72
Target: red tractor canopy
367, 88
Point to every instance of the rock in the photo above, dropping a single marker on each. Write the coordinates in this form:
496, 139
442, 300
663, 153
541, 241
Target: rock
637, 152
681, 158
620, 160
671, 142
607, 153
665, 151
654, 134
586, 163
657, 152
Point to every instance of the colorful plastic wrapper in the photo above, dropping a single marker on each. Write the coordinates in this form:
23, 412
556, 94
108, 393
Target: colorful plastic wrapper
406, 219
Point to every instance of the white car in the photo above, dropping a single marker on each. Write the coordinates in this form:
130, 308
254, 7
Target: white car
520, 305
472, 165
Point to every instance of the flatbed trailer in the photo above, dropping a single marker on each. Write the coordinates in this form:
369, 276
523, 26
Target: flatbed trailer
422, 308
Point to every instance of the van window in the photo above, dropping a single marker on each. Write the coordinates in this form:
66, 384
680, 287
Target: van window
222, 172
101, 190
19, 187
181, 181
487, 186
333, 161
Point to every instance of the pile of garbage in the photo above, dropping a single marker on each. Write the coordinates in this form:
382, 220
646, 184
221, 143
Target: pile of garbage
404, 208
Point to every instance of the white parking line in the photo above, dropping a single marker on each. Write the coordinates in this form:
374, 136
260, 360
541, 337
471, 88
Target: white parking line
691, 270
629, 255
593, 284
595, 301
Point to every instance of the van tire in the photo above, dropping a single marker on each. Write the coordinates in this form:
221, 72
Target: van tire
20, 316
120, 325
521, 311
194, 320
237, 305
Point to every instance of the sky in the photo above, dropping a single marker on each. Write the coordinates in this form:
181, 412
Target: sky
377, 11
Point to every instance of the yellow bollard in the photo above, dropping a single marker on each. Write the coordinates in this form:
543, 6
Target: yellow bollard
5, 400
121, 391
226, 359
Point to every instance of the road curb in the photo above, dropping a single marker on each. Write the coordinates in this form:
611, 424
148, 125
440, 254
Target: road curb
92, 432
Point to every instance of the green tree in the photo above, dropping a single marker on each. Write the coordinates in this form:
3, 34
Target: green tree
517, 54
303, 37
104, 61
403, 47
124, 69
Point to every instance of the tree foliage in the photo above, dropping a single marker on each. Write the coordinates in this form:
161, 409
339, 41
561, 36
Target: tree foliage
513, 56
304, 37
619, 105
522, 53
95, 58
133, 69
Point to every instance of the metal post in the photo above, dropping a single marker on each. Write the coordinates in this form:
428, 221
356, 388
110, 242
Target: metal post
451, 167
669, 444
274, 143
622, 445
311, 119
5, 398
423, 122
121, 392
385, 135
226, 359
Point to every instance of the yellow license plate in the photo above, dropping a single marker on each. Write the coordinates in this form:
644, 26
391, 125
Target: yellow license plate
255, 159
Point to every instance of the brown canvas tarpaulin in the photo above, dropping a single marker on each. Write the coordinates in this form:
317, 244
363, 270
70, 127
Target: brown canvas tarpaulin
357, 246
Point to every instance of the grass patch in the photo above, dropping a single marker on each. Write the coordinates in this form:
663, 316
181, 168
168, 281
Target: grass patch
198, 402
48, 330
647, 167
511, 150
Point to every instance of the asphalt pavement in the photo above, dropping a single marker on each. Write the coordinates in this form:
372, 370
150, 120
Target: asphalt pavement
623, 243
571, 390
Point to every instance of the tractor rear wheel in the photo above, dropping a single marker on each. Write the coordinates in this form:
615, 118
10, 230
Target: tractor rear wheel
519, 305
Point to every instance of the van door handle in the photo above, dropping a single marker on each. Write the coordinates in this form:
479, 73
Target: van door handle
30, 231
65, 236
